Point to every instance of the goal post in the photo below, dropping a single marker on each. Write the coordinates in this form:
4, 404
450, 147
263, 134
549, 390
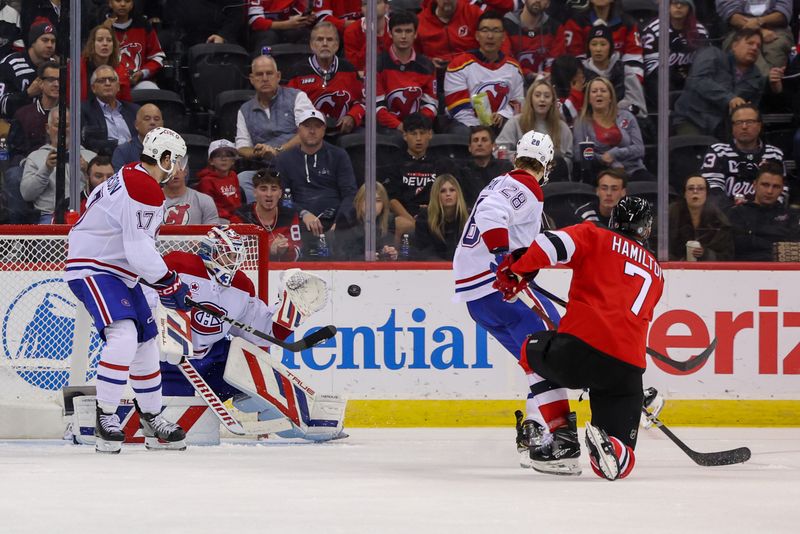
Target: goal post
47, 340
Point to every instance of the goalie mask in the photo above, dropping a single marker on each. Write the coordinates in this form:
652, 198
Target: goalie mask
223, 252
632, 217
160, 141
537, 146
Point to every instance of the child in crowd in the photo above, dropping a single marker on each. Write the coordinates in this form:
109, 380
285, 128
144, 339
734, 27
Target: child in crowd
219, 180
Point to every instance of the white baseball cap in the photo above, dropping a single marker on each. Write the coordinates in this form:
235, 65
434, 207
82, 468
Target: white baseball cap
221, 144
310, 114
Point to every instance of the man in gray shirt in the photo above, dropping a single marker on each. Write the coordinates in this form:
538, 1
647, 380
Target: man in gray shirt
187, 206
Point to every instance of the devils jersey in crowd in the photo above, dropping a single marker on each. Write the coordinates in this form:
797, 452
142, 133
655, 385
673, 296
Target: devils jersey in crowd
139, 48
507, 214
731, 171
404, 88
682, 49
116, 234
335, 92
17, 72
625, 32
608, 268
470, 74
287, 224
262, 13
533, 49
409, 180
337, 12
355, 42
440, 40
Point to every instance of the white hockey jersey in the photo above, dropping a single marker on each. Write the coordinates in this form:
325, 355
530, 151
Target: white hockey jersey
508, 213
238, 301
116, 234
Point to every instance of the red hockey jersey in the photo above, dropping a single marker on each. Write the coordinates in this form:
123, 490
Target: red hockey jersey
533, 49
404, 88
287, 224
616, 284
336, 92
355, 42
262, 13
337, 12
139, 48
436, 39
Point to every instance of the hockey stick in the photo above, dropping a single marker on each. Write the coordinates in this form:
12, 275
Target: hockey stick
526, 296
706, 459
326, 332
685, 366
207, 394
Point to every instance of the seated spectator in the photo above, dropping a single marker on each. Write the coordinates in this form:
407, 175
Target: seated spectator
602, 60
139, 49
349, 236
438, 228
39, 171
760, 223
569, 81
408, 179
718, 83
532, 37
446, 29
692, 218
319, 175
614, 132
206, 21
355, 39
406, 81
102, 48
280, 220
332, 84
483, 86
267, 123
106, 117
731, 168
277, 21
540, 113
340, 13
148, 117
98, 170
184, 205
10, 33
686, 37
19, 83
770, 18
611, 187
482, 167
29, 127
219, 181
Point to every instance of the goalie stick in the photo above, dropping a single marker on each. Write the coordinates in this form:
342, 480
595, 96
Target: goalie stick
685, 366
705, 459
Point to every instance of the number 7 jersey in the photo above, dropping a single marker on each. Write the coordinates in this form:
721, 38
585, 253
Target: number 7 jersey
615, 286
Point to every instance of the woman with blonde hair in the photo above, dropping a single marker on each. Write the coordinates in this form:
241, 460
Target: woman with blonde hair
439, 227
102, 48
540, 113
611, 135
348, 237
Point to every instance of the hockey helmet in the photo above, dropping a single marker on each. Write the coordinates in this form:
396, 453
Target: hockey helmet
537, 146
222, 251
160, 140
632, 217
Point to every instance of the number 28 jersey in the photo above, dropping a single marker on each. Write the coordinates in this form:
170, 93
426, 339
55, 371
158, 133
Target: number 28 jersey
616, 284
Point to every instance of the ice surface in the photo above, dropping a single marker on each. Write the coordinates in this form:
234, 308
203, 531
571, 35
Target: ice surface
464, 480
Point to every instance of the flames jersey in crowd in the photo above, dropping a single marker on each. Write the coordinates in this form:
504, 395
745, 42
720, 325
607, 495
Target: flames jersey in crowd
616, 283
337, 12
470, 74
335, 92
625, 32
508, 215
238, 301
116, 234
533, 49
287, 225
439, 40
139, 47
733, 171
404, 88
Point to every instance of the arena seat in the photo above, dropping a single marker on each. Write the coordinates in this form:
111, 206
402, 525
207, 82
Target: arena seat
214, 68
226, 109
173, 110
561, 199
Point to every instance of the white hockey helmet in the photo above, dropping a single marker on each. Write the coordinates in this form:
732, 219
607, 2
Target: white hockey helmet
538, 146
160, 140
223, 252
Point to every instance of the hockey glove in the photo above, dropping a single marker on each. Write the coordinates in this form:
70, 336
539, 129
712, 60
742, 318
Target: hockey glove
172, 292
509, 283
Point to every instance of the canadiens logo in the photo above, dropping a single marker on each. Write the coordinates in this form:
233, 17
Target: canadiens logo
206, 324
496, 92
194, 287
404, 101
335, 104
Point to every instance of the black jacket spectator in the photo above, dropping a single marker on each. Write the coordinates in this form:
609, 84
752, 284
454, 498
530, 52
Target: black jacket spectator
428, 247
758, 227
197, 21
93, 123
408, 180
474, 178
714, 233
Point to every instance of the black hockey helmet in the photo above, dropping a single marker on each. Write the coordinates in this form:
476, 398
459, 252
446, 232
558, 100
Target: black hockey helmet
632, 217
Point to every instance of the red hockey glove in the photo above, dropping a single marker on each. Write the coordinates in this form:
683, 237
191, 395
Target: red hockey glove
507, 282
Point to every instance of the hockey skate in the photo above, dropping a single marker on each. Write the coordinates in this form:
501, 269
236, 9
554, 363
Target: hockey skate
653, 404
559, 451
529, 433
108, 431
602, 453
160, 434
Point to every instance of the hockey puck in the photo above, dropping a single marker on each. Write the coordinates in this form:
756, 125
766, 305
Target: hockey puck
354, 290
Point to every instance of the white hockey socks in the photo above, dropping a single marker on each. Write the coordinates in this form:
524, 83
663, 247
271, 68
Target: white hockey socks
114, 365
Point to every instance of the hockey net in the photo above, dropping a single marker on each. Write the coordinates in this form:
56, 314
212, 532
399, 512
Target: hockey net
47, 340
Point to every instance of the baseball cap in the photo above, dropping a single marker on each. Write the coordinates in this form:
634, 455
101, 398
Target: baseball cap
310, 114
221, 144
39, 29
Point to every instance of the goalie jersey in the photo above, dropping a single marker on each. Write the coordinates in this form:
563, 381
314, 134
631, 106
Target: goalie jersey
116, 234
239, 301
507, 214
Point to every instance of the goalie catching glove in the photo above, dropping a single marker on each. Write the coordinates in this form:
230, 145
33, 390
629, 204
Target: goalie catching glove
172, 291
509, 283
301, 295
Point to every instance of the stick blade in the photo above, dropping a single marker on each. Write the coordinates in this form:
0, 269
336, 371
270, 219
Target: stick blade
314, 338
713, 459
